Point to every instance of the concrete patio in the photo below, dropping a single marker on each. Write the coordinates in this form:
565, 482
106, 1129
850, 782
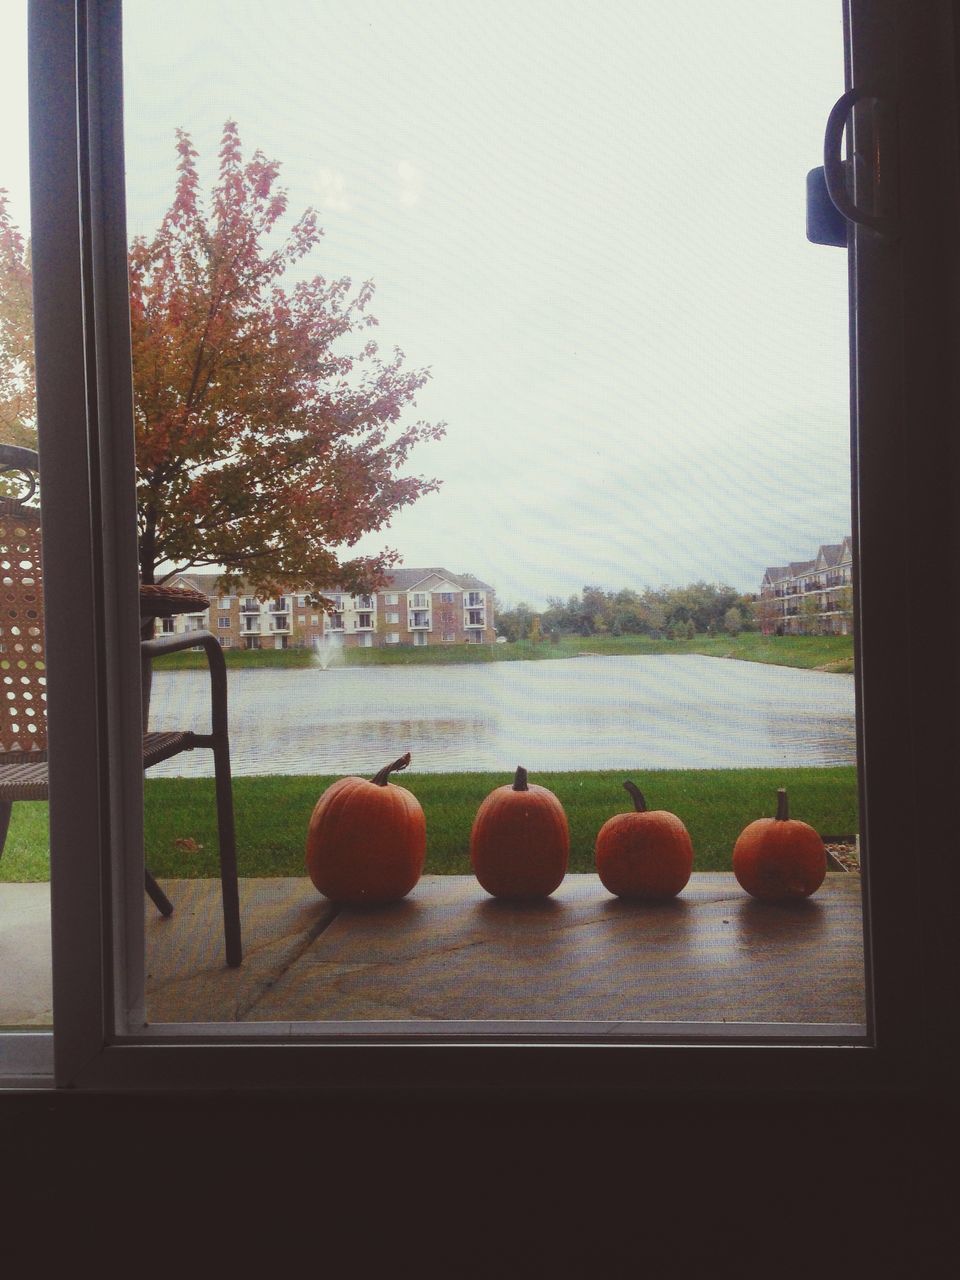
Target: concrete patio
450, 953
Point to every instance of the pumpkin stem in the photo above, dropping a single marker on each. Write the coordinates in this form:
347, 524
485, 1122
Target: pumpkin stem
520, 779
636, 795
383, 777
783, 806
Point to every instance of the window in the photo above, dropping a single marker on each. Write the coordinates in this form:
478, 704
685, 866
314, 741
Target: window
393, 615
391, 597
392, 637
225, 602
302, 619
223, 623
419, 600
921, 523
446, 597
420, 638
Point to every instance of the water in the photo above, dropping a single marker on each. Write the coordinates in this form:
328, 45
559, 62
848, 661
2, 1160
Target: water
657, 712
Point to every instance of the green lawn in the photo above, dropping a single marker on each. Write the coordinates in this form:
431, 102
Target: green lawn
272, 815
833, 653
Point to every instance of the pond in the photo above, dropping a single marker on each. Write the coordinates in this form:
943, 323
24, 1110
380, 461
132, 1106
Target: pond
649, 712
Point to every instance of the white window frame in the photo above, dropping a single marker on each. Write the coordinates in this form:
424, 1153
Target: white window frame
902, 387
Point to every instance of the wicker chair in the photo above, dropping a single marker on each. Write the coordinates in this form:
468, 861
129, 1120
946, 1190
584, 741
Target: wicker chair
23, 727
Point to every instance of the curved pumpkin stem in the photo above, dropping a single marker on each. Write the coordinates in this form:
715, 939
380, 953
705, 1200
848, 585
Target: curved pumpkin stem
636, 795
520, 779
783, 805
383, 777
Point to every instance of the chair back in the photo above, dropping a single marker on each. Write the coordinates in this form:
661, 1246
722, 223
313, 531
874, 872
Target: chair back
23, 676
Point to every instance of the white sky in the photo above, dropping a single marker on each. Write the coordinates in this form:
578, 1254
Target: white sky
586, 218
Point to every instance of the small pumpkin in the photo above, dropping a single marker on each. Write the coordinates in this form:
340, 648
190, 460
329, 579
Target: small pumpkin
367, 839
646, 854
520, 841
779, 858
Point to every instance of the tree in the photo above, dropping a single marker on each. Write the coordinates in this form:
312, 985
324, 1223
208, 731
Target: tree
515, 623
267, 424
733, 621
17, 388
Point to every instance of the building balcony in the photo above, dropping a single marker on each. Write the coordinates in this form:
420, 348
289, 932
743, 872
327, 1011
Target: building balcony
249, 606
280, 623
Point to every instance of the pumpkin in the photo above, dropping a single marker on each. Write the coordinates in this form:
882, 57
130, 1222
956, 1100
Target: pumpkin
779, 858
367, 840
520, 842
645, 854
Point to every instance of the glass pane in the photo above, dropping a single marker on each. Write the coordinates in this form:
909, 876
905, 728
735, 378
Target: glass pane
25, 975
594, 520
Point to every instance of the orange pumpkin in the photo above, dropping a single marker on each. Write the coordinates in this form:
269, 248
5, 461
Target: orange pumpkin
367, 840
520, 842
645, 854
779, 858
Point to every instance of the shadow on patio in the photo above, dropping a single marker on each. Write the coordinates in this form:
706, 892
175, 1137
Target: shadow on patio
450, 953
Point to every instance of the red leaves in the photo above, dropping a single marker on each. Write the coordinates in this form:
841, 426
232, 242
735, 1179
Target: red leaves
267, 427
17, 389
262, 445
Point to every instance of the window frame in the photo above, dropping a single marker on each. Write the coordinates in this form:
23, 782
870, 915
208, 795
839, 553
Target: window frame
901, 376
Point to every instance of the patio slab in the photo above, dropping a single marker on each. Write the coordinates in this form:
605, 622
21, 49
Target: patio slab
448, 952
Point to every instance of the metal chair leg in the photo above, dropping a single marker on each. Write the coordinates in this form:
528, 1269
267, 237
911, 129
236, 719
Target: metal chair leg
6, 807
227, 838
158, 897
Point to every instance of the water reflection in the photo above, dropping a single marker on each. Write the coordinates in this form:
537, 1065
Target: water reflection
657, 712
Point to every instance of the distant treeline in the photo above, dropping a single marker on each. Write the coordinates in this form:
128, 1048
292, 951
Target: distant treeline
675, 612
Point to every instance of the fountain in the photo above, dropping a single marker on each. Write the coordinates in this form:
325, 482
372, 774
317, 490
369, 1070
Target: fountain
328, 650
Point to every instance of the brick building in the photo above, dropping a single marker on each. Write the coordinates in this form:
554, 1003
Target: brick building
415, 607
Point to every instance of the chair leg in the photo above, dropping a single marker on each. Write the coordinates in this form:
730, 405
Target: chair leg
228, 850
5, 808
159, 898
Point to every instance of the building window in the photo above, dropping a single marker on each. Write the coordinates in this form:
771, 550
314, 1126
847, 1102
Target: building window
449, 637
301, 619
419, 638
224, 602
391, 597
446, 597
223, 624
392, 637
419, 600
393, 616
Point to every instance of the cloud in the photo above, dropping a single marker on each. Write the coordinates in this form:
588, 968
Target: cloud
331, 188
411, 183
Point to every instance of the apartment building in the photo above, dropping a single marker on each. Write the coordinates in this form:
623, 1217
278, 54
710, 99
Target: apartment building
809, 597
415, 607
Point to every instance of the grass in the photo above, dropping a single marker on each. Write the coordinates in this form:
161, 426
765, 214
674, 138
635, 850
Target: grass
827, 653
272, 815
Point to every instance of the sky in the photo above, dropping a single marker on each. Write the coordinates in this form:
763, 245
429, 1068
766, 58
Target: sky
587, 219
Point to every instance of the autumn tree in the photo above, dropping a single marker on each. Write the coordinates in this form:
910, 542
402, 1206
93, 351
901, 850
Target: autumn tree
268, 424
17, 390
